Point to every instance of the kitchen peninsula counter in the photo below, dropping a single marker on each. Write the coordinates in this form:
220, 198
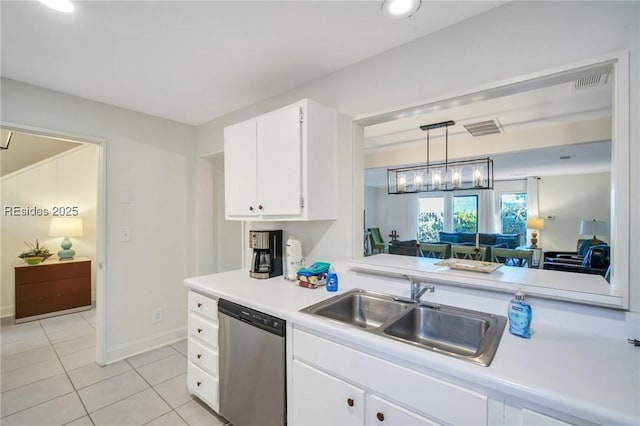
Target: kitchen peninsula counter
574, 369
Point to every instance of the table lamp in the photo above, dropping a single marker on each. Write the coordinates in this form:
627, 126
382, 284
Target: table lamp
593, 227
535, 224
65, 227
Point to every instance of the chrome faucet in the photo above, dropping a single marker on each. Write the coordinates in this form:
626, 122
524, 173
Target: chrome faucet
417, 291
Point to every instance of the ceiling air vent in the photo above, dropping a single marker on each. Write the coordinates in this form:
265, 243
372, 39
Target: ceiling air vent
483, 128
589, 81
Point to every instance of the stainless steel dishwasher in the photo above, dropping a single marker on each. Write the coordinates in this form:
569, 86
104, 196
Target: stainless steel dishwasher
252, 366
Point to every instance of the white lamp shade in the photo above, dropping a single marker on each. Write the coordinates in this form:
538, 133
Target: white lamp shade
593, 227
65, 227
535, 223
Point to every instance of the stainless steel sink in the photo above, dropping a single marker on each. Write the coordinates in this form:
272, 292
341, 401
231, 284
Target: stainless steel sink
360, 308
465, 334
462, 333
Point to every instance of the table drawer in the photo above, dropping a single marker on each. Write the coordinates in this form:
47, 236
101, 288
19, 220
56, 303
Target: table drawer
205, 330
203, 305
203, 385
203, 356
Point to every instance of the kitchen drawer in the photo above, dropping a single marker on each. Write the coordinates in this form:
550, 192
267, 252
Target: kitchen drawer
203, 305
437, 398
203, 356
203, 329
203, 385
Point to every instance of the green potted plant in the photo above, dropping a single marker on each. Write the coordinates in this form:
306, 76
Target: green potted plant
35, 254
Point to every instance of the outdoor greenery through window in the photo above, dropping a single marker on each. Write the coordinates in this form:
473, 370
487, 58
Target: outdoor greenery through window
513, 214
465, 213
430, 218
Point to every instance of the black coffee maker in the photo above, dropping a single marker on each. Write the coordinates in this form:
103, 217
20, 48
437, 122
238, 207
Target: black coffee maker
266, 261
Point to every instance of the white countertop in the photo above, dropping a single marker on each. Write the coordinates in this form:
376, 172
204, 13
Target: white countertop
586, 375
558, 285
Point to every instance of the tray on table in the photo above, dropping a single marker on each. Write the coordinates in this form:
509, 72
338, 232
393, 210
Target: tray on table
470, 265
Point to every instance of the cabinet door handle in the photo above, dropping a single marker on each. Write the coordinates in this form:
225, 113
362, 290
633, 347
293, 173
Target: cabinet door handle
199, 356
199, 330
199, 305
250, 208
350, 402
380, 416
260, 207
199, 383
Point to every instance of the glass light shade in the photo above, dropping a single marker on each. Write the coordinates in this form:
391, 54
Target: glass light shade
456, 178
402, 183
65, 227
535, 223
399, 9
478, 176
593, 227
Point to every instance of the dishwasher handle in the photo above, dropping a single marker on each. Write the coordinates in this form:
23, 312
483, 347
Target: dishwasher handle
252, 317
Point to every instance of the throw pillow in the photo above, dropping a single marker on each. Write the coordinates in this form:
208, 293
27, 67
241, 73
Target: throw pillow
510, 240
584, 248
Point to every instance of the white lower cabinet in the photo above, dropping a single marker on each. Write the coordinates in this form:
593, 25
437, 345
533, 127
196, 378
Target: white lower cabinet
320, 399
336, 384
202, 349
385, 413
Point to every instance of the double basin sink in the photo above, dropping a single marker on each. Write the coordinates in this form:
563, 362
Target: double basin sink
465, 334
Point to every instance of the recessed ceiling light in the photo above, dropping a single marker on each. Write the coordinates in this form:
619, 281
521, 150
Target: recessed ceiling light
59, 5
399, 9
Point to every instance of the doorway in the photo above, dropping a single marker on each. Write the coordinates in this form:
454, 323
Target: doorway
48, 176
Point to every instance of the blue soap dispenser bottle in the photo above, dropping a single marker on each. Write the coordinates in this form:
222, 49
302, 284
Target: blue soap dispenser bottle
520, 316
332, 280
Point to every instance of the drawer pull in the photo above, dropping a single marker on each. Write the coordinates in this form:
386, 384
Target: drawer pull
380, 417
199, 383
199, 305
199, 330
199, 356
350, 402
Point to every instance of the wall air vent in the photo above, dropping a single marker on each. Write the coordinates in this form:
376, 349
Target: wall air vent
590, 81
483, 128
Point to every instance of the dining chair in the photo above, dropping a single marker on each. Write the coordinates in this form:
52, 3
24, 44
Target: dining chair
511, 257
468, 252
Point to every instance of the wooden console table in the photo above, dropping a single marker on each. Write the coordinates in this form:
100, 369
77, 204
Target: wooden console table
52, 288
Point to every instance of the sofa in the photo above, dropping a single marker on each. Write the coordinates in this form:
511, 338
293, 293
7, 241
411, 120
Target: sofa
411, 247
596, 260
489, 241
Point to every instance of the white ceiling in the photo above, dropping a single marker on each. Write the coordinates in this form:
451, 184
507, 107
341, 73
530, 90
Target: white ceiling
542, 107
195, 61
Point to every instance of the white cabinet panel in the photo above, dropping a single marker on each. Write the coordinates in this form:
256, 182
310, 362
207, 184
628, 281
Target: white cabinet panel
279, 162
203, 356
203, 385
320, 399
240, 175
204, 330
280, 165
383, 413
203, 305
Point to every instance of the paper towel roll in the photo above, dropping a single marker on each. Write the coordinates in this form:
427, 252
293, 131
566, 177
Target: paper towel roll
294, 257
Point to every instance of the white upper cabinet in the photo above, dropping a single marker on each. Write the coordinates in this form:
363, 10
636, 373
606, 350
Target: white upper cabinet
280, 165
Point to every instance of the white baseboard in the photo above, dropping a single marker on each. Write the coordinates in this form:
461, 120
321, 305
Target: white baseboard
121, 352
7, 311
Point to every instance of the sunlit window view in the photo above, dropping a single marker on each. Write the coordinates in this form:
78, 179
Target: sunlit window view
513, 214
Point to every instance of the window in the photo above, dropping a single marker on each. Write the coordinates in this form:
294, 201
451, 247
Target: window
465, 213
513, 214
430, 218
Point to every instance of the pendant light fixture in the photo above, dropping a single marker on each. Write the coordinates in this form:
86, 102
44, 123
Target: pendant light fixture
448, 176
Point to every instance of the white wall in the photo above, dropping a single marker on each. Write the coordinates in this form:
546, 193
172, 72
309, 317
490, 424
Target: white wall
150, 181
69, 179
571, 199
512, 40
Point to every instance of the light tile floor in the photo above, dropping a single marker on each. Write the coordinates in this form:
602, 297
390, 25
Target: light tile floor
49, 377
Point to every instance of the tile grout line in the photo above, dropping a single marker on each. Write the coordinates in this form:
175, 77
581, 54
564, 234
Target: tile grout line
66, 372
